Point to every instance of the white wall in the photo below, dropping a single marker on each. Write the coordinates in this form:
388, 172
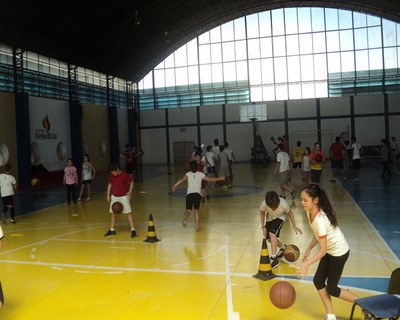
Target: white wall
335, 119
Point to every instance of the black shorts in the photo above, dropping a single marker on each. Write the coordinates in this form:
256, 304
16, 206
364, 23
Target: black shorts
8, 201
274, 226
86, 181
193, 201
296, 165
356, 164
337, 164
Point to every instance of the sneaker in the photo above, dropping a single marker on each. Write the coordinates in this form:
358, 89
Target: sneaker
110, 233
78, 200
274, 262
281, 251
133, 233
333, 180
88, 199
329, 317
13, 221
293, 194
282, 196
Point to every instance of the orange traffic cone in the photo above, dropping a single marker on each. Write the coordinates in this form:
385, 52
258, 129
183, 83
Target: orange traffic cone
151, 232
265, 269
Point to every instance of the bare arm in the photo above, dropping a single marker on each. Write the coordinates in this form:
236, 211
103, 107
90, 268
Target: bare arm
180, 181
303, 268
262, 221
109, 186
131, 186
293, 221
213, 179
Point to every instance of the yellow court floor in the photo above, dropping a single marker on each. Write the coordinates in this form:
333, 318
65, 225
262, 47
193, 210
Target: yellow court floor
57, 264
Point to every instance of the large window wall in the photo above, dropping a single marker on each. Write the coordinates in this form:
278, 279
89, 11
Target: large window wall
282, 54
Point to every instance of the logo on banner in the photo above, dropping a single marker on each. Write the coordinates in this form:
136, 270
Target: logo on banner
45, 133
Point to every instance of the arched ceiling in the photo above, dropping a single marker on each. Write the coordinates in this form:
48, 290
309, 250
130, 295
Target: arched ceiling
127, 38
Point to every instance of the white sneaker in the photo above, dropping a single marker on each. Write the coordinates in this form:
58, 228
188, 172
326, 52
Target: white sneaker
330, 316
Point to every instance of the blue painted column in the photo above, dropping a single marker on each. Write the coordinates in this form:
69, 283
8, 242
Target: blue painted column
75, 124
113, 125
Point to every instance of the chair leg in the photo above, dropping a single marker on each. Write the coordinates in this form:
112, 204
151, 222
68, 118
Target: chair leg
352, 311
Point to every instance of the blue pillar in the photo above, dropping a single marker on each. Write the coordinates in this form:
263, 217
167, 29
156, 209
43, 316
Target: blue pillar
113, 125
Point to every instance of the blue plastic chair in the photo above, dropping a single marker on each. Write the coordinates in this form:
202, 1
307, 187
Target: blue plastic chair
384, 306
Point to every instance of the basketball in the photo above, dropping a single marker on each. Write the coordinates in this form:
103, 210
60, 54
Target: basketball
282, 295
117, 207
35, 182
291, 253
318, 158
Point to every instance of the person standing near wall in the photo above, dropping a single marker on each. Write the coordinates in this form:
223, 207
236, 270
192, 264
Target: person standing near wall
70, 180
317, 160
88, 174
297, 156
8, 186
356, 159
336, 151
283, 168
385, 158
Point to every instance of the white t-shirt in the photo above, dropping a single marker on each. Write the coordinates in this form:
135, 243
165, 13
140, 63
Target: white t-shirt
229, 152
306, 163
215, 150
283, 159
210, 159
280, 212
7, 182
321, 226
356, 150
194, 182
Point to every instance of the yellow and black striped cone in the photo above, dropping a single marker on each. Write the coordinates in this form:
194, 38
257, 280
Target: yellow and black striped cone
151, 231
265, 269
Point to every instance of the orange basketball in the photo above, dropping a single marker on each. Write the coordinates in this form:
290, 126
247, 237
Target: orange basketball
117, 207
291, 253
318, 158
186, 166
282, 295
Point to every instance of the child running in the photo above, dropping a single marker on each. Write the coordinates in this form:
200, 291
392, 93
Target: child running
193, 194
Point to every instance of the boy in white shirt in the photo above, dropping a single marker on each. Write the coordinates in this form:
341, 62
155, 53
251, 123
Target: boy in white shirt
8, 186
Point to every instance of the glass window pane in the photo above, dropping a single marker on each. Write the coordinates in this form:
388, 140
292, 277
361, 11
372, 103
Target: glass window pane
375, 59
205, 73
291, 20
240, 32
294, 91
319, 42
159, 78
307, 68
267, 71
318, 20
228, 31
240, 49
192, 52
254, 72
321, 90
304, 15
333, 62
280, 64
181, 76
268, 93
373, 21
321, 70
252, 26
228, 51
390, 58
331, 18
347, 61
292, 43
281, 92
398, 33
255, 94
241, 71
265, 23
278, 22
229, 72
204, 53
360, 20
345, 19
216, 52
389, 33
374, 37
279, 46
170, 77
294, 69
266, 47
362, 60
217, 73
308, 90
346, 40
193, 75
169, 61
254, 48
215, 34
305, 43
204, 38
332, 41
181, 57
361, 38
